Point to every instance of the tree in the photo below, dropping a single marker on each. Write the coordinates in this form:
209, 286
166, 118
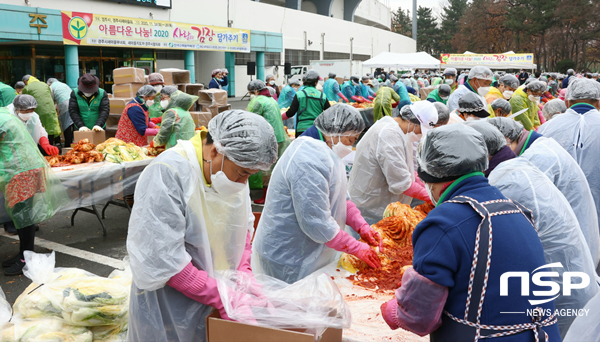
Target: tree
450, 16
401, 22
428, 33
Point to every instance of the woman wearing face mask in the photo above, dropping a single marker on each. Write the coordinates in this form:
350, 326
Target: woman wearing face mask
471, 107
24, 108
165, 96
450, 78
135, 125
478, 82
89, 106
440, 94
528, 98
157, 81
302, 224
273, 88
508, 84
177, 123
215, 82
195, 220
383, 170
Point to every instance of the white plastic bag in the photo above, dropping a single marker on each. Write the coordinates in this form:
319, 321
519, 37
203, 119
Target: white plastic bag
5, 309
313, 303
586, 327
45, 330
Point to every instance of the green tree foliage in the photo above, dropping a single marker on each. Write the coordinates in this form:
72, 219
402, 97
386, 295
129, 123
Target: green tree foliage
428, 33
402, 22
450, 24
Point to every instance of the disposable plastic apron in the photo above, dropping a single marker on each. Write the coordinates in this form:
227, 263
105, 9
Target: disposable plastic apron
33, 127
470, 328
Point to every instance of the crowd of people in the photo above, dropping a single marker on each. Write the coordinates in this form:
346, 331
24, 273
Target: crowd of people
485, 149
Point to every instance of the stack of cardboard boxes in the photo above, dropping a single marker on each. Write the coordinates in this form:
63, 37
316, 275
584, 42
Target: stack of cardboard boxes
211, 103
127, 82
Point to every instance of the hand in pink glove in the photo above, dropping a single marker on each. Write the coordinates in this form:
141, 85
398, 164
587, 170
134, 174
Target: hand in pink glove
343, 97
389, 313
284, 116
418, 191
355, 220
151, 132
357, 99
151, 124
371, 98
345, 243
371, 236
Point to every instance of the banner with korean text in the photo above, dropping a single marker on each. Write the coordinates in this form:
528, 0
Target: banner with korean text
87, 29
499, 60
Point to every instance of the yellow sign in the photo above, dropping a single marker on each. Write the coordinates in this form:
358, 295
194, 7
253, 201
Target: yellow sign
105, 30
34, 21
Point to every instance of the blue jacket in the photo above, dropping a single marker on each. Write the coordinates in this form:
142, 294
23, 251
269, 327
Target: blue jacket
312, 132
214, 84
224, 81
444, 244
366, 91
401, 90
349, 90
138, 117
331, 88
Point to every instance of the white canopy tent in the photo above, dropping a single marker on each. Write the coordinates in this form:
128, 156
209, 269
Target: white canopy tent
417, 60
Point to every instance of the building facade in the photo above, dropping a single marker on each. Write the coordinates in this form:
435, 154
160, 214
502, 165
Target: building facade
32, 40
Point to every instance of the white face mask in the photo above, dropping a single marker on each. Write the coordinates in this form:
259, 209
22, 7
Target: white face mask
444, 97
472, 118
430, 194
272, 82
533, 98
413, 137
158, 88
482, 91
164, 103
222, 184
449, 81
252, 96
88, 94
25, 116
149, 103
508, 94
342, 150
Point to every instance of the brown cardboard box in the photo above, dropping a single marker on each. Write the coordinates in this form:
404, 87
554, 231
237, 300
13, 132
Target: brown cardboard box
146, 79
201, 118
219, 330
212, 97
339, 80
117, 104
128, 75
94, 137
110, 96
193, 89
214, 110
126, 90
175, 76
181, 87
425, 92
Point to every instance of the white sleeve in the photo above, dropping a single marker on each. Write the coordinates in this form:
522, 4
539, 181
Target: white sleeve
394, 163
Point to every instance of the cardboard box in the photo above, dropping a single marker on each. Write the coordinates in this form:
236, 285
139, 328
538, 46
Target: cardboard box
117, 104
425, 92
219, 330
110, 96
193, 89
201, 118
94, 137
175, 76
212, 97
214, 110
128, 75
113, 120
146, 79
126, 90
339, 80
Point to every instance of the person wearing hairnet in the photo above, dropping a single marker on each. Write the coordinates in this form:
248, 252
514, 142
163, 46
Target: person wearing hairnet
351, 89
365, 90
400, 89
440, 94
61, 94
504, 85
273, 88
528, 98
7, 94
479, 80
158, 82
19, 86
45, 106
496, 143
31, 191
501, 107
450, 78
377, 83
383, 102
225, 80
24, 107
89, 106
308, 103
383, 170
198, 214
472, 107
302, 225
177, 123
287, 94
553, 107
217, 77
135, 125
453, 259
263, 105
570, 74
550, 158
332, 90
165, 96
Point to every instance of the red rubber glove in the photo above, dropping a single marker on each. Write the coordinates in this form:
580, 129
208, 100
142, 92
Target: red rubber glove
156, 120
357, 99
343, 97
50, 150
151, 143
395, 104
371, 98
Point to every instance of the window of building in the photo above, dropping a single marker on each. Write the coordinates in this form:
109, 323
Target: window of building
272, 58
301, 57
335, 55
170, 54
244, 58
363, 58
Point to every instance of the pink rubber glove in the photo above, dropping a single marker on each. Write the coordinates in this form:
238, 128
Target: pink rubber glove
343, 97
345, 243
151, 132
357, 99
197, 285
418, 191
355, 220
418, 180
49, 149
245, 263
151, 124
541, 116
371, 98
284, 116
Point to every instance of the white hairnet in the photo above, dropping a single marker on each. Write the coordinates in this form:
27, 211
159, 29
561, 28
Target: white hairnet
406, 114
156, 78
245, 138
503, 105
294, 82
26, 78
482, 73
24, 102
146, 90
449, 152
537, 86
168, 90
215, 71
510, 128
494, 140
450, 72
268, 77
340, 120
583, 89
19, 85
51, 80
509, 81
553, 107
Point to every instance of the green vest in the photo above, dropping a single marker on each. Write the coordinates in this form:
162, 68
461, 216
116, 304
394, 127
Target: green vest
90, 112
155, 111
311, 104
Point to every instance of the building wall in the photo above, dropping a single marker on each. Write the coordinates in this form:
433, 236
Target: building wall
169, 64
374, 11
206, 62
